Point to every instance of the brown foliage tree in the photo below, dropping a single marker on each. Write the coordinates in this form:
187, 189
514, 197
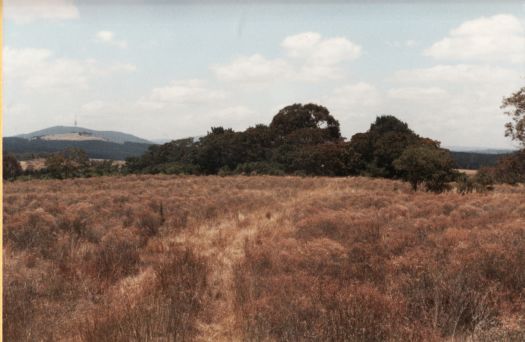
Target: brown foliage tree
516, 128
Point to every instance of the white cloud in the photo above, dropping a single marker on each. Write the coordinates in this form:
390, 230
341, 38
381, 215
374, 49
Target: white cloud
235, 112
354, 105
354, 96
185, 92
238, 117
457, 73
95, 106
108, 37
311, 46
309, 57
17, 109
497, 38
457, 104
320, 58
27, 11
416, 93
410, 43
301, 44
105, 36
399, 44
255, 68
40, 69
122, 67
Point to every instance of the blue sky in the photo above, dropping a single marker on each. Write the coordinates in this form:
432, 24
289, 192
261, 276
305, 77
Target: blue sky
174, 69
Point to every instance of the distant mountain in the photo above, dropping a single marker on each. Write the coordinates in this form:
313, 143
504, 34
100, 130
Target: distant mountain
24, 148
69, 133
481, 150
474, 160
161, 141
164, 141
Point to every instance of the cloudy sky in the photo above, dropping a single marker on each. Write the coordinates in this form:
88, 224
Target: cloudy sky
169, 70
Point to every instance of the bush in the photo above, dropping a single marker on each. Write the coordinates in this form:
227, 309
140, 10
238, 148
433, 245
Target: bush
167, 309
36, 232
260, 168
175, 168
465, 184
117, 256
70, 163
11, 167
18, 309
430, 165
511, 169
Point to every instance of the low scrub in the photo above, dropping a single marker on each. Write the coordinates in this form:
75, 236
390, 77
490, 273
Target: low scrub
182, 258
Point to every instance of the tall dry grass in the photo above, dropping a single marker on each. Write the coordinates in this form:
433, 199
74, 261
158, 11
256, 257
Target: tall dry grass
161, 258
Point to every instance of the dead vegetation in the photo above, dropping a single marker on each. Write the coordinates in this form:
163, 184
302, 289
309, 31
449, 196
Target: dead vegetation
162, 258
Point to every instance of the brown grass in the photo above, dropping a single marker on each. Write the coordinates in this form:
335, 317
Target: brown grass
160, 258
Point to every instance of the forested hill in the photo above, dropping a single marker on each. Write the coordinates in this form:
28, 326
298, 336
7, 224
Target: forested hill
475, 160
25, 149
111, 136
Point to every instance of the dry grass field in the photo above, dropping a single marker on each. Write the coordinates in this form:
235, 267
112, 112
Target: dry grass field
163, 258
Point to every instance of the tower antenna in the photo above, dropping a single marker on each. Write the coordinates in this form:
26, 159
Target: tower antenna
75, 121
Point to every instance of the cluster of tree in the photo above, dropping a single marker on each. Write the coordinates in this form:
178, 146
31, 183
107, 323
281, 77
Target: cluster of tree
476, 160
24, 149
306, 140
69, 163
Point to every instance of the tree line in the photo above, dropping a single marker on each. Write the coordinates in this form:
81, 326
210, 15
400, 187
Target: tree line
70, 163
305, 139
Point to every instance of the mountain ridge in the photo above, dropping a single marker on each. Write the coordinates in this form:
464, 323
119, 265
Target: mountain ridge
23, 148
111, 136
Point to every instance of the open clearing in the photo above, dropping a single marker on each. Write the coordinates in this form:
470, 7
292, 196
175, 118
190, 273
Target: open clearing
164, 258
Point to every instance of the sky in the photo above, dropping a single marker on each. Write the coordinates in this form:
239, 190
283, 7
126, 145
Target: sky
168, 70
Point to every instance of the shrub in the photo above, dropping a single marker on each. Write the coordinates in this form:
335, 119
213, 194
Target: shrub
149, 222
324, 259
430, 165
18, 309
465, 184
11, 167
260, 168
37, 231
166, 309
117, 256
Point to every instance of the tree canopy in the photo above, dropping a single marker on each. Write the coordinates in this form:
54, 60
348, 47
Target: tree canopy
426, 164
302, 139
516, 127
383, 143
306, 117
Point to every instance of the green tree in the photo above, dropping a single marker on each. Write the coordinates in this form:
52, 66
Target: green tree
329, 159
516, 127
299, 116
385, 141
219, 149
11, 167
71, 162
425, 164
161, 158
